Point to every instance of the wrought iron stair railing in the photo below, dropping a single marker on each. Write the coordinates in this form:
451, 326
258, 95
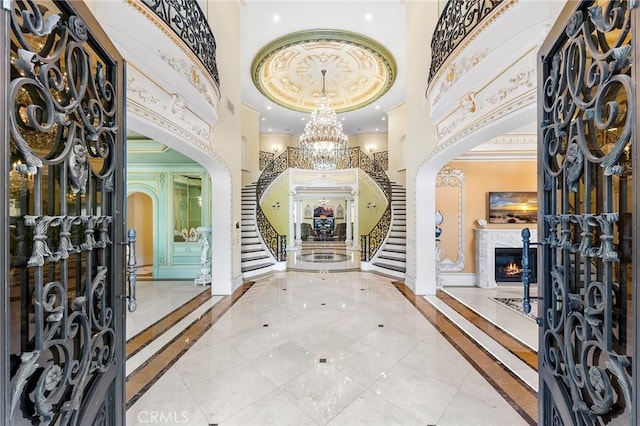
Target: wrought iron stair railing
371, 242
345, 159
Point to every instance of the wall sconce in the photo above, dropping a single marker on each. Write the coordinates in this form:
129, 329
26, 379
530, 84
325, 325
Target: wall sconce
372, 149
276, 205
371, 205
275, 149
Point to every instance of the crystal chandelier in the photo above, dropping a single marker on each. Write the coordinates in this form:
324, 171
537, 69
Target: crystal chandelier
20, 182
323, 138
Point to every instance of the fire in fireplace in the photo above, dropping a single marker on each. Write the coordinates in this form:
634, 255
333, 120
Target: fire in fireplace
508, 264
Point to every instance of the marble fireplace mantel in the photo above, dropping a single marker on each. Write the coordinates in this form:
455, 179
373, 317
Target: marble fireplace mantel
487, 239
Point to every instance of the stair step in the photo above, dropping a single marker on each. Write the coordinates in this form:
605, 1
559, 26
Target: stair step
384, 254
256, 267
390, 267
251, 250
395, 262
395, 248
254, 257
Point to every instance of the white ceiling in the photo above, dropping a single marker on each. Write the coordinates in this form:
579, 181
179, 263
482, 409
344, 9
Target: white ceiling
386, 25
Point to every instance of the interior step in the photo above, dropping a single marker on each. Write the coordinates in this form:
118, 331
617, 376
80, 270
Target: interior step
520, 359
256, 267
387, 265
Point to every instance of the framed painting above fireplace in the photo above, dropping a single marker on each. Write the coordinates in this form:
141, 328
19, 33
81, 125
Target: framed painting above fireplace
513, 207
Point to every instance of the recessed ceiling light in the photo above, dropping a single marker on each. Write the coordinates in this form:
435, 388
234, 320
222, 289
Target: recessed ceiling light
276, 18
377, 129
269, 129
367, 17
384, 118
304, 119
264, 119
343, 118
268, 106
377, 106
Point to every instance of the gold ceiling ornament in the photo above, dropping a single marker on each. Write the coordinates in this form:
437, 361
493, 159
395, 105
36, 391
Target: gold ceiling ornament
359, 69
323, 139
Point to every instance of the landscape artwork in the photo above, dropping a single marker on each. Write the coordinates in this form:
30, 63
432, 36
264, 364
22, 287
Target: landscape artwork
513, 207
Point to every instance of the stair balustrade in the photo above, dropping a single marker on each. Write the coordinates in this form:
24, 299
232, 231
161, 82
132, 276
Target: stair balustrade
345, 159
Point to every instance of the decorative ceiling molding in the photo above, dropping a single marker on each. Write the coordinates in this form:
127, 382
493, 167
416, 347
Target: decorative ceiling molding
288, 70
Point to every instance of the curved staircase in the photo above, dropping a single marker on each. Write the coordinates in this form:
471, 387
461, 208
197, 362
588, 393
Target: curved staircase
256, 258
391, 259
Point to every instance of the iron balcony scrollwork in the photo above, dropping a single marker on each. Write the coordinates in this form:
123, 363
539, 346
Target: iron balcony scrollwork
186, 20
458, 19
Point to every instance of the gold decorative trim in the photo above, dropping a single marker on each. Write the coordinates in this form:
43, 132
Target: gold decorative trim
176, 40
311, 38
486, 23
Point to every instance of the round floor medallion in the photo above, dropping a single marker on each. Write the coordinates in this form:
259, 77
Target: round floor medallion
323, 257
359, 70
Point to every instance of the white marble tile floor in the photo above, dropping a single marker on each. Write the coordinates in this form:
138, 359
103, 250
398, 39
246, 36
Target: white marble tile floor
332, 349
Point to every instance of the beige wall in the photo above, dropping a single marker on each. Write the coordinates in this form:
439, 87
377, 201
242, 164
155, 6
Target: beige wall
481, 178
280, 141
397, 121
224, 17
139, 210
279, 217
421, 134
251, 134
366, 141
368, 217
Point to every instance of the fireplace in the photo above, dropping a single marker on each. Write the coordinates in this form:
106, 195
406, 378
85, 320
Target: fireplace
508, 264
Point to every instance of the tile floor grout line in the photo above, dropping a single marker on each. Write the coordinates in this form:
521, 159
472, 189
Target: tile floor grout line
216, 311
175, 330
424, 307
492, 330
165, 324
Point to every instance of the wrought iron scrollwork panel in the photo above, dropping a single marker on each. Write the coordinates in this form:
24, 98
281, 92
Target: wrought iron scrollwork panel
588, 106
63, 123
458, 19
188, 22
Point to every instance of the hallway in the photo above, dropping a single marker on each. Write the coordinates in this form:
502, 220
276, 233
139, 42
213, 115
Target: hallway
304, 348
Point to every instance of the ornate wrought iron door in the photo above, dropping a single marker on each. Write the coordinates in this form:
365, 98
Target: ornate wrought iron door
588, 217
63, 222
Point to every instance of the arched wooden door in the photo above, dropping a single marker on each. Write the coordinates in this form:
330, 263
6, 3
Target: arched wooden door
63, 265
587, 274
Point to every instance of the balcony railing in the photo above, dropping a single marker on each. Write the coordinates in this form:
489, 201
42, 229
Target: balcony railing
186, 20
458, 19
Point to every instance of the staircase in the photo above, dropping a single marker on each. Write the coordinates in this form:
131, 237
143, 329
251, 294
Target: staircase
256, 259
391, 259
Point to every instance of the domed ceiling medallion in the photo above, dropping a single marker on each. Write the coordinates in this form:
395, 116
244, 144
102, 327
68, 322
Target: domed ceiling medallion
288, 70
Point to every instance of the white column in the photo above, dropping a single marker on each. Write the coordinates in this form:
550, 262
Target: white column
292, 219
347, 209
356, 215
298, 222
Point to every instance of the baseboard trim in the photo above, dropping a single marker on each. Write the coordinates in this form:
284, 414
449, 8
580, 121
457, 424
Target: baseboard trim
458, 279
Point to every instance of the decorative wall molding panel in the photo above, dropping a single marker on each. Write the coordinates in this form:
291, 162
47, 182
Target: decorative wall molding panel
454, 178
